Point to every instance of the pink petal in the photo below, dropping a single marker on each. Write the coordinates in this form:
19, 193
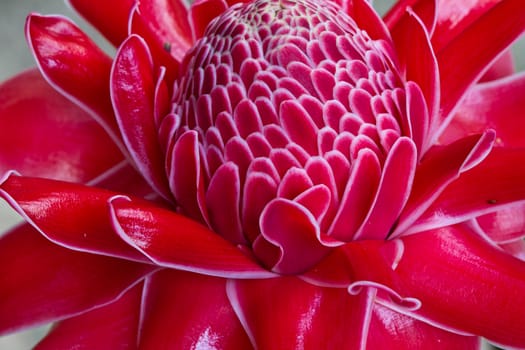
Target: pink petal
175, 241
505, 225
494, 184
70, 215
133, 96
111, 21
189, 311
44, 134
464, 59
288, 313
398, 14
74, 65
202, 12
42, 282
441, 166
498, 105
502, 67
367, 19
113, 326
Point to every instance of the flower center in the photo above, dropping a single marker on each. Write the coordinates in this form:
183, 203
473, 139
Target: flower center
290, 132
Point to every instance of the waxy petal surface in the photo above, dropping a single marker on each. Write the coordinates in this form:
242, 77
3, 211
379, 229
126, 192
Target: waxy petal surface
133, 96
189, 311
71, 215
112, 326
48, 283
74, 65
44, 134
172, 240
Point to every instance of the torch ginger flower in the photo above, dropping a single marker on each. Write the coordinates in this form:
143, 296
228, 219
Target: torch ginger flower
294, 174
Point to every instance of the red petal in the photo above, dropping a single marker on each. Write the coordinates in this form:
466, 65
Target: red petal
288, 313
498, 105
464, 59
175, 241
43, 134
367, 19
133, 96
189, 311
164, 25
465, 283
398, 14
494, 184
202, 12
42, 282
113, 326
502, 67
73, 64
111, 21
403, 332
71, 215
440, 166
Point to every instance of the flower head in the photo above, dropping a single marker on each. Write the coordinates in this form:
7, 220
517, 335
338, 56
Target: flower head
268, 174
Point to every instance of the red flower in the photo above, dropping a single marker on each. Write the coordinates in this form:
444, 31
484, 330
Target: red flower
269, 174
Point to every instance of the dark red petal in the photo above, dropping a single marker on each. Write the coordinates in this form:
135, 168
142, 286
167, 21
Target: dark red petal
188, 311
172, 240
111, 21
473, 286
71, 215
74, 65
165, 27
133, 95
202, 12
113, 326
404, 332
425, 10
42, 282
464, 59
288, 313
440, 166
494, 184
498, 105
367, 19
43, 134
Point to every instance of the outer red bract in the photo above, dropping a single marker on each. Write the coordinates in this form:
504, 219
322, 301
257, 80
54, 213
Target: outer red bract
296, 174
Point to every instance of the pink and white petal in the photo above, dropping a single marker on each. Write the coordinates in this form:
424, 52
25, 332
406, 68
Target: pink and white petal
172, 240
44, 134
505, 225
491, 186
437, 170
288, 313
74, 65
404, 332
71, 215
498, 105
112, 326
467, 272
42, 282
464, 59
111, 21
183, 310
504, 66
133, 95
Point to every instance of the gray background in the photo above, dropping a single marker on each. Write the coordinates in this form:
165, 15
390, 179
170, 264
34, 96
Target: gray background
15, 56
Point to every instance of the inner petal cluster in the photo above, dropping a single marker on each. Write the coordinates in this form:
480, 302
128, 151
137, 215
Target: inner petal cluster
288, 132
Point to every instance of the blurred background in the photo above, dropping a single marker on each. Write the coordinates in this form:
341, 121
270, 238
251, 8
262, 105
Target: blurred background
15, 57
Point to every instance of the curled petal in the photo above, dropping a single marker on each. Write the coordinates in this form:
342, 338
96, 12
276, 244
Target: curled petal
70, 215
112, 326
172, 240
74, 65
48, 283
44, 134
189, 311
133, 96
